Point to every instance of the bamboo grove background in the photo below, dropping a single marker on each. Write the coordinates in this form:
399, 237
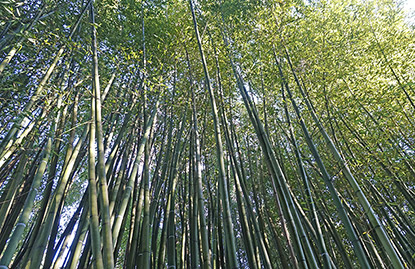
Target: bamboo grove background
211, 134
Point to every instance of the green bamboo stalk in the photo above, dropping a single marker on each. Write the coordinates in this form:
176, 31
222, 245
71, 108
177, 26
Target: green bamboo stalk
197, 174
21, 196
230, 237
9, 139
108, 251
18, 44
309, 196
11, 189
25, 215
132, 258
379, 229
346, 221
275, 169
192, 212
240, 188
93, 193
78, 219
133, 176
144, 250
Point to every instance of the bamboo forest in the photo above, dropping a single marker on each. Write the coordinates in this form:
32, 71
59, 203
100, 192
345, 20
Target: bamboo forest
207, 134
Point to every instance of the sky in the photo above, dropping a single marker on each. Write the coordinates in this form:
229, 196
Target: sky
410, 4
409, 7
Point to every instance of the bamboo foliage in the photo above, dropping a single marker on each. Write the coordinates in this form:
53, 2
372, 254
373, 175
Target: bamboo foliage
186, 134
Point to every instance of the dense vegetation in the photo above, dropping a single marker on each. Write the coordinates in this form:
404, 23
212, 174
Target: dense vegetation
211, 134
